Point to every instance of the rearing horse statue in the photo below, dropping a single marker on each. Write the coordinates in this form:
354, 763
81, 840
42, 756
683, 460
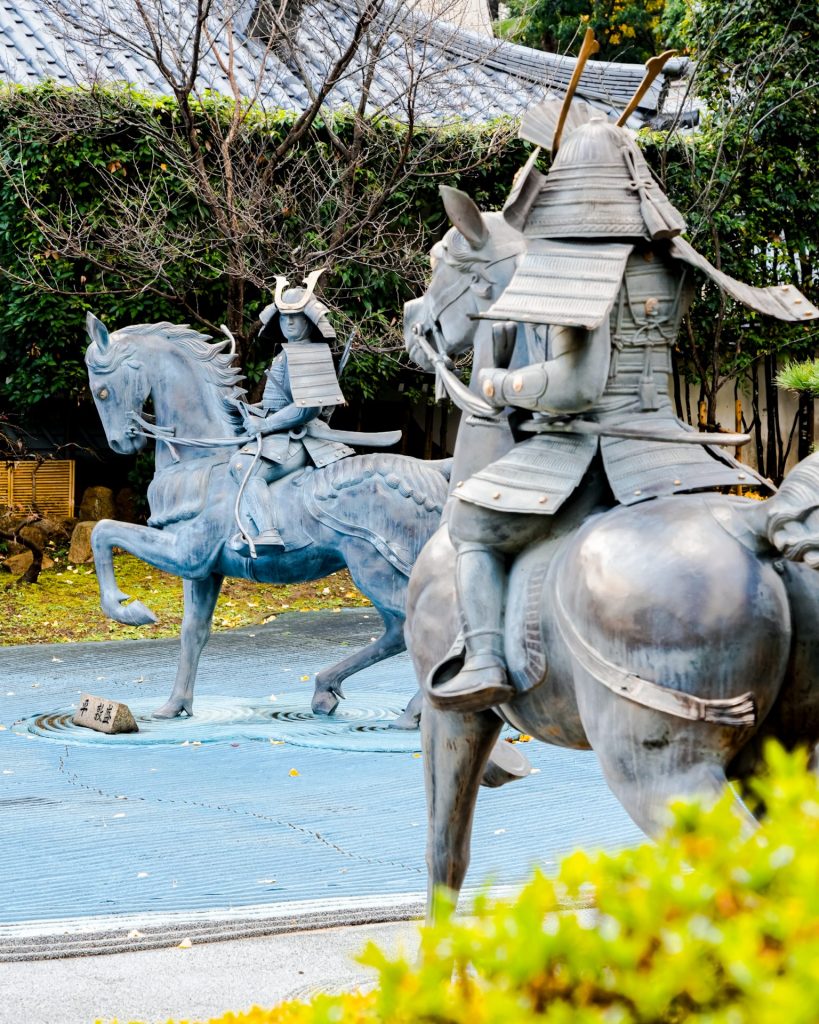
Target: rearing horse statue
370, 513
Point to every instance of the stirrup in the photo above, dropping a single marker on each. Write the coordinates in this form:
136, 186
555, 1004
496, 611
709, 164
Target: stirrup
269, 538
481, 683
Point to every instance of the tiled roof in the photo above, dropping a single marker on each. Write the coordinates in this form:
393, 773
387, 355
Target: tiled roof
455, 74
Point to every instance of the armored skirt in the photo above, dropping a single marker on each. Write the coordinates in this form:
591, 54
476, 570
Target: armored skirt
540, 473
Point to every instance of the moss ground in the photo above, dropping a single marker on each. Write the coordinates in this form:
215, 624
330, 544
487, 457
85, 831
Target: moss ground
64, 605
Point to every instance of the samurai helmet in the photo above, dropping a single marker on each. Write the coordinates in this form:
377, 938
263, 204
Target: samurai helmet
291, 301
599, 184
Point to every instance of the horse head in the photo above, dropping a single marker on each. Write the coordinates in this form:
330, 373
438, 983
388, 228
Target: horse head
192, 382
119, 384
471, 265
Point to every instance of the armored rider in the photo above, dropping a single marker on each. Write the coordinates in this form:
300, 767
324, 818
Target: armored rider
301, 383
605, 267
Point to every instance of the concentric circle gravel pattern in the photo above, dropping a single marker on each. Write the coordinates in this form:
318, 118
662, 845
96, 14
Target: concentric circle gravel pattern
239, 807
360, 724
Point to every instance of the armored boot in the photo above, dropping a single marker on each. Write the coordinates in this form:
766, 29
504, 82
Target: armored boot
482, 681
259, 507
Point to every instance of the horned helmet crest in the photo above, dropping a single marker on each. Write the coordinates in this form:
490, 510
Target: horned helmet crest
599, 184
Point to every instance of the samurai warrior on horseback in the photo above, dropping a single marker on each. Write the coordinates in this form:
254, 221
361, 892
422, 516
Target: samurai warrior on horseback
288, 426
601, 289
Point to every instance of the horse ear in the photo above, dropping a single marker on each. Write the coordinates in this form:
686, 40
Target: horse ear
97, 331
465, 216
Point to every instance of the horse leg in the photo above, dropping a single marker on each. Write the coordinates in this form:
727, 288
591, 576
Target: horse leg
649, 758
456, 749
159, 548
200, 602
329, 680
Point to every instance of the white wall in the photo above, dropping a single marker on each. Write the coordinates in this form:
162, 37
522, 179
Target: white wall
468, 14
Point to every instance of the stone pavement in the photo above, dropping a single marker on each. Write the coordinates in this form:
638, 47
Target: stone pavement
249, 819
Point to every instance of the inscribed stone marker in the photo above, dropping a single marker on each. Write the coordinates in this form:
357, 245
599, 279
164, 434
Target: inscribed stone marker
108, 716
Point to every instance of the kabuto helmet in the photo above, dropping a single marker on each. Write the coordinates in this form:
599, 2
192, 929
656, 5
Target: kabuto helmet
599, 184
302, 300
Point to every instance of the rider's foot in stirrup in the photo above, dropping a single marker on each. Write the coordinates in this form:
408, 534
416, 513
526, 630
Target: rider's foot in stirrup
482, 683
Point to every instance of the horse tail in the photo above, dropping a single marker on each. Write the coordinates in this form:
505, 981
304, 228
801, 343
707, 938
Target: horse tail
791, 516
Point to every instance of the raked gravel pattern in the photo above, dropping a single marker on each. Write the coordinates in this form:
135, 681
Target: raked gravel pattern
253, 804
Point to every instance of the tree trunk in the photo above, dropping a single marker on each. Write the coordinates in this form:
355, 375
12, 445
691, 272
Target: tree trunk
805, 436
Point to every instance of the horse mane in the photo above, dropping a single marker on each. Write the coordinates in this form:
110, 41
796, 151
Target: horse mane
456, 252
216, 358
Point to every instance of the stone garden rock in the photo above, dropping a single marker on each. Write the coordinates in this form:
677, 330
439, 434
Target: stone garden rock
18, 564
97, 503
109, 716
126, 505
80, 550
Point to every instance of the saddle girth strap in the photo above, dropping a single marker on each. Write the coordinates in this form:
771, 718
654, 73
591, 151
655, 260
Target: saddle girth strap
734, 711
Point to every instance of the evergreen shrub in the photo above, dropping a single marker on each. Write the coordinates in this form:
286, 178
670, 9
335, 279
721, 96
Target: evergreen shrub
709, 925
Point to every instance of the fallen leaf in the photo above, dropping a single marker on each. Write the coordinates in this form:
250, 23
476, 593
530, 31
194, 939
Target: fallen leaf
293, 772
416, 755
305, 679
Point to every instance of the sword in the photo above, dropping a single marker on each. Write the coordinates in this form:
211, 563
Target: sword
457, 391
636, 433
345, 355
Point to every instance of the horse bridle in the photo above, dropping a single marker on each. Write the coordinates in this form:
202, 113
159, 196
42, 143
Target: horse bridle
466, 282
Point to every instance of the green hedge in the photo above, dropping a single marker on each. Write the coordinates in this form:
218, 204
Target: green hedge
707, 926
749, 196
126, 137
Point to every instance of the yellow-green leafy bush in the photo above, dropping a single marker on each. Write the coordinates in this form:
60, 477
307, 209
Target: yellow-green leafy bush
707, 926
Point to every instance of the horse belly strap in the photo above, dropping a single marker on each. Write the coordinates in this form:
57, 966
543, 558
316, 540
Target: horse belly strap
734, 711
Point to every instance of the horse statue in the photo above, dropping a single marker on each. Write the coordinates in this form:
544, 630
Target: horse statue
371, 513
671, 636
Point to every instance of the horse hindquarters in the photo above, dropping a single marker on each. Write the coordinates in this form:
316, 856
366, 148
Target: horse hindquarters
663, 592
794, 718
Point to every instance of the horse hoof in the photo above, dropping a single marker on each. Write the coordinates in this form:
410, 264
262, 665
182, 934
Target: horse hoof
324, 703
505, 764
408, 721
174, 709
136, 614
411, 717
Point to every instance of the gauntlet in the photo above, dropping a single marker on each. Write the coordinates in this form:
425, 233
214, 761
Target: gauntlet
523, 388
